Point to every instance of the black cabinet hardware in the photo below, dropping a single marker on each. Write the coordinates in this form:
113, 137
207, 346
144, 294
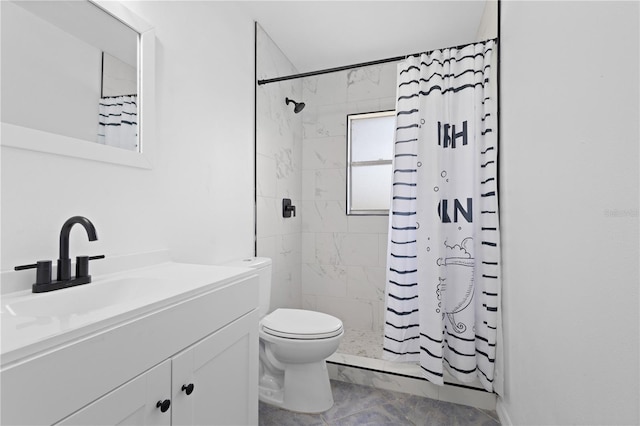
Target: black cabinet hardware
164, 405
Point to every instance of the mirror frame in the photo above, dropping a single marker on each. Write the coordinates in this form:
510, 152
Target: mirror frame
37, 140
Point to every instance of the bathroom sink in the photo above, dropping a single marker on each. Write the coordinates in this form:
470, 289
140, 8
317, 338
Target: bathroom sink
34, 322
86, 298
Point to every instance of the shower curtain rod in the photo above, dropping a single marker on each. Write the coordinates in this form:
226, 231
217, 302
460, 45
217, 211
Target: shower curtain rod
118, 96
362, 64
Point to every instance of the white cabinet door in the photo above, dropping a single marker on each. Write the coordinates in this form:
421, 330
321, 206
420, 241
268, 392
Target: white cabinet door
223, 370
133, 403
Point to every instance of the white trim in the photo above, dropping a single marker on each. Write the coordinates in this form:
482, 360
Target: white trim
146, 89
37, 140
120, 12
503, 415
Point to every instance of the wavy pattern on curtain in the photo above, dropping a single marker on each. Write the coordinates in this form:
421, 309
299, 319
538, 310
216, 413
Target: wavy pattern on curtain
443, 275
118, 122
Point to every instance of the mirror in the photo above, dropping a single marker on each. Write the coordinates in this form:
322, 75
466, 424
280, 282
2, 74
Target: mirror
77, 79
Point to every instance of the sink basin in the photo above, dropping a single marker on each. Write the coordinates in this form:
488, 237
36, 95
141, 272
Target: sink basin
86, 298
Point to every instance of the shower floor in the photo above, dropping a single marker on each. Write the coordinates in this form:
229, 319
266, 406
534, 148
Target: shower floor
363, 349
364, 343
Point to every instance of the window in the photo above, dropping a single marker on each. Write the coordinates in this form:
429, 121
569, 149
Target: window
369, 162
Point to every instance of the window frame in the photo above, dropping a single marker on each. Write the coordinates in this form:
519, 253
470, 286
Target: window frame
351, 118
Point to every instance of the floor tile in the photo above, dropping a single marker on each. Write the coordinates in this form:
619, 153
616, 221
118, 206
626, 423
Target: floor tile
386, 414
364, 405
273, 416
425, 411
350, 398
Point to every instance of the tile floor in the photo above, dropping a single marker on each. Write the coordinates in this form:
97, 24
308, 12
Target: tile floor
365, 343
363, 405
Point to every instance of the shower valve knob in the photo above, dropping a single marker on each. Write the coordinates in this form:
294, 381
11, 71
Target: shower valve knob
287, 208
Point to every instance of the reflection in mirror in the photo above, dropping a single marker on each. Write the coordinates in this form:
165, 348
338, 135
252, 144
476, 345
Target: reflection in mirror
71, 69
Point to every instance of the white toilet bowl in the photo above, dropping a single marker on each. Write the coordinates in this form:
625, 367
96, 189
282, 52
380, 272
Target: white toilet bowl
294, 344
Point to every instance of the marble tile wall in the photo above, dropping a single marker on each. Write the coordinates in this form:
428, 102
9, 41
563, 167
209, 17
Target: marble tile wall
343, 257
278, 172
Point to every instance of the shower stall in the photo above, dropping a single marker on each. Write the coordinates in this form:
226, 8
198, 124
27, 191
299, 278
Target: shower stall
325, 259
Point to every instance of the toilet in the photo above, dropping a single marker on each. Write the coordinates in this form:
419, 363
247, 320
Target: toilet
294, 344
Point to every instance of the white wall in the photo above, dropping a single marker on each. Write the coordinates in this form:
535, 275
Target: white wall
488, 27
118, 77
569, 204
205, 95
279, 171
198, 199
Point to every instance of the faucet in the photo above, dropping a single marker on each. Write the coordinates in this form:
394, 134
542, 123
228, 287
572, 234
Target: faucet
64, 262
43, 267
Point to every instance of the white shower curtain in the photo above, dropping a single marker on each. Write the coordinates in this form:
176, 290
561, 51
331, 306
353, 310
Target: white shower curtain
443, 275
118, 122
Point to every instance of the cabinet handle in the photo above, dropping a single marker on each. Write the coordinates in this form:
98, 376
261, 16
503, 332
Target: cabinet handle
164, 405
188, 388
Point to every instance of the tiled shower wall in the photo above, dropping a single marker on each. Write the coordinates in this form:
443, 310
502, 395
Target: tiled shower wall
278, 172
343, 257
322, 259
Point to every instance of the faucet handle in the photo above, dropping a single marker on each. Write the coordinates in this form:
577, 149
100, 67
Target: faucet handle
43, 270
82, 265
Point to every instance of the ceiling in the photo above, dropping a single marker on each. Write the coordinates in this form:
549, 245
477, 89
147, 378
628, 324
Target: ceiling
316, 35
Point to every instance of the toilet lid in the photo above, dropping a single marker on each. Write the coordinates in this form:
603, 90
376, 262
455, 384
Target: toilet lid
301, 324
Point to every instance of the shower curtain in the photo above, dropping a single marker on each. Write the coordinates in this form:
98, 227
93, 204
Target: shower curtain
443, 275
118, 122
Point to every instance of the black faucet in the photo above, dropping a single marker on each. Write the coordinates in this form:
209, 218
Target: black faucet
64, 262
43, 267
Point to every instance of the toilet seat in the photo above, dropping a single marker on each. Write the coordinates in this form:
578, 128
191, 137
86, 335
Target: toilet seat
301, 324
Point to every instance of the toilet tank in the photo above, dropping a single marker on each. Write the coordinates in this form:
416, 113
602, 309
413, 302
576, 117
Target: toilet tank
262, 265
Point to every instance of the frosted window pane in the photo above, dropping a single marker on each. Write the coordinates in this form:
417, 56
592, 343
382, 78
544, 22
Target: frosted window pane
371, 187
371, 138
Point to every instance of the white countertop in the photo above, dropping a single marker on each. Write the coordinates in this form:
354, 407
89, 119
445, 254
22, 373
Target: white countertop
34, 323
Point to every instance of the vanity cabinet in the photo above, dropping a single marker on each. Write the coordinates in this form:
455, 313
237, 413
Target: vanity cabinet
209, 383
223, 370
117, 374
133, 403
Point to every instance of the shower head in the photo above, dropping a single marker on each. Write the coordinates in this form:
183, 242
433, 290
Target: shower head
299, 106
